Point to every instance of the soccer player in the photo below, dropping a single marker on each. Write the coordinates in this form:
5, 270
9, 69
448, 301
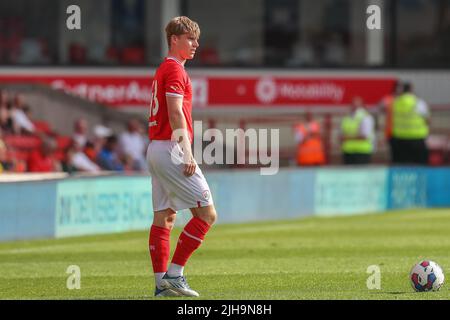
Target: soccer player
177, 181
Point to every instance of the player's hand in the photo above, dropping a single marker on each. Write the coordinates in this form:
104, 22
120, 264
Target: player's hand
189, 166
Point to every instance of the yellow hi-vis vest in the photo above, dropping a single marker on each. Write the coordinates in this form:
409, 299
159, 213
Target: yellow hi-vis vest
407, 123
350, 128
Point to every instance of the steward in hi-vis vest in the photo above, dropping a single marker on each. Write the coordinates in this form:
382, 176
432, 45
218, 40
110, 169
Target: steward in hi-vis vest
410, 128
357, 135
309, 144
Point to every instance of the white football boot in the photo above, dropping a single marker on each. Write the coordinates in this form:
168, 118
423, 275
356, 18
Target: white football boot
178, 284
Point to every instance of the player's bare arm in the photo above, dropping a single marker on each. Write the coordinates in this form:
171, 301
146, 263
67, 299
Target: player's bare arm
179, 127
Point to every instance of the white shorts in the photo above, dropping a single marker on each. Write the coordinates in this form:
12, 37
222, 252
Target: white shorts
170, 187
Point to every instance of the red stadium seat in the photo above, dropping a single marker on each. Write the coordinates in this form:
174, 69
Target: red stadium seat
14, 155
42, 126
63, 142
22, 142
60, 155
133, 55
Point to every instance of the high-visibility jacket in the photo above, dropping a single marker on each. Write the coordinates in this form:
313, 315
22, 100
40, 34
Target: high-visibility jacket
350, 128
310, 149
407, 122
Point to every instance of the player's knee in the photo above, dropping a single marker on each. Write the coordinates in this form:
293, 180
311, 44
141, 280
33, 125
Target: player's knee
164, 220
207, 214
169, 222
164, 224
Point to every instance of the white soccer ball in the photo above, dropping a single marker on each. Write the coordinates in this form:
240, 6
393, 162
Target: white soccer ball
426, 276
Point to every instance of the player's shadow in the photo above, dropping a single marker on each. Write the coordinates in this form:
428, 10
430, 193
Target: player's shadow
396, 292
391, 292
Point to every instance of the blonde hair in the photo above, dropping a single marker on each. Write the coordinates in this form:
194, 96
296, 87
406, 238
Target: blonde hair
182, 25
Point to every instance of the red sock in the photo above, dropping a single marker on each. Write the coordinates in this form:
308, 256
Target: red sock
190, 239
159, 245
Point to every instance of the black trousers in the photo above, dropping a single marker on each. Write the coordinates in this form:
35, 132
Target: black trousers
391, 148
411, 151
356, 158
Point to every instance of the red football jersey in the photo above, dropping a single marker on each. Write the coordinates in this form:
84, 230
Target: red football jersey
171, 79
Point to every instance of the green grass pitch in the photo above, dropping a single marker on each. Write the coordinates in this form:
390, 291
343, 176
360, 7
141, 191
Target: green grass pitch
310, 258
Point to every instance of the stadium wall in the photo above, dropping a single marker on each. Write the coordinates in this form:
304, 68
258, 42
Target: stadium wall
105, 204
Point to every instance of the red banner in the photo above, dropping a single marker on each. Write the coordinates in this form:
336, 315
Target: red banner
116, 91
296, 92
214, 91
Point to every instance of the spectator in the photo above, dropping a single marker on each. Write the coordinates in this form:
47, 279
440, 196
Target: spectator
80, 132
43, 159
357, 134
3, 97
108, 158
6, 121
127, 162
20, 115
410, 128
310, 151
79, 161
92, 151
94, 147
132, 144
4, 163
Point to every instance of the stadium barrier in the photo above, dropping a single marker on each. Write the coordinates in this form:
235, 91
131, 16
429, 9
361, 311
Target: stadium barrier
74, 206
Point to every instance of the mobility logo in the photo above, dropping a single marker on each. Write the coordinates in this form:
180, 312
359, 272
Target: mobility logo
266, 90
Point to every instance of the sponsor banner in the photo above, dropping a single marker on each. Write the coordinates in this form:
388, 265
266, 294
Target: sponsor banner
408, 188
212, 91
350, 191
438, 188
94, 205
102, 205
245, 195
114, 90
274, 91
27, 210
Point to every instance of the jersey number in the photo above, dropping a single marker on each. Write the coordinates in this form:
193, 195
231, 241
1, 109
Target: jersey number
154, 104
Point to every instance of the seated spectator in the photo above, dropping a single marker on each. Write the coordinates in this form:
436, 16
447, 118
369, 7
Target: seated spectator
108, 158
128, 163
3, 97
101, 131
43, 159
90, 151
93, 148
80, 132
133, 145
20, 115
79, 161
4, 163
6, 122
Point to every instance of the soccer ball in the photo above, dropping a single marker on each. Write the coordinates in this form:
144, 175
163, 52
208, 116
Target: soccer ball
427, 276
